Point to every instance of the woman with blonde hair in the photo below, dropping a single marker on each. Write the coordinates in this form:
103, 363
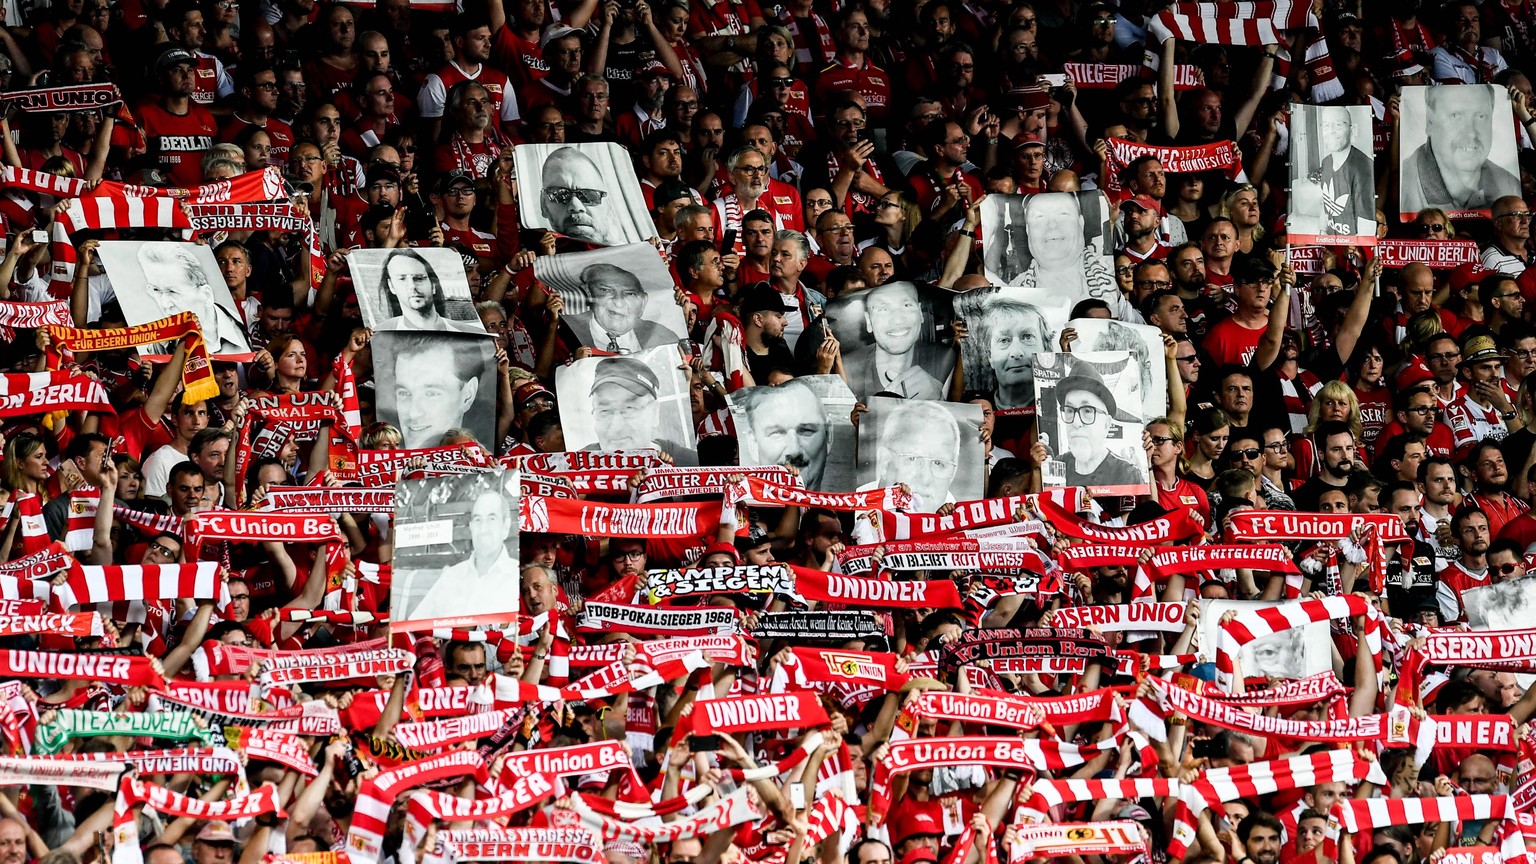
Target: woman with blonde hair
1335, 401
1433, 224
26, 466
1241, 205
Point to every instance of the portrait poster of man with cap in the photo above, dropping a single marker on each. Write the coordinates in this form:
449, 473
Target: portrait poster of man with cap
628, 402
1091, 430
1333, 180
413, 288
430, 384
586, 192
619, 299
456, 550
933, 447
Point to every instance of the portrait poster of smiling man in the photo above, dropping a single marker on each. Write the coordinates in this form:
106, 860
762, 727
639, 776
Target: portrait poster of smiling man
587, 192
1091, 422
413, 288
933, 447
1457, 150
895, 338
629, 402
619, 299
1055, 241
804, 423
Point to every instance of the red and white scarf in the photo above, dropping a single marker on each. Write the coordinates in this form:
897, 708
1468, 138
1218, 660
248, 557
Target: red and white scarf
376, 796
593, 519
145, 583
133, 792
26, 316
820, 586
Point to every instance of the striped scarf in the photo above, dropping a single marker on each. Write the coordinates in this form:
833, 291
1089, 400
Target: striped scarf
825, 48
1253, 24
80, 524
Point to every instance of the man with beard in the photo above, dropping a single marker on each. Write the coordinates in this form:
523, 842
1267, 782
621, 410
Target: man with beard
919, 446
1145, 176
762, 312
414, 292
939, 182
1252, 335
477, 585
900, 360
471, 38
258, 103
1338, 195
1451, 170
1086, 411
1489, 473
1483, 410
636, 126
614, 323
789, 426
1140, 230
1259, 833
1470, 528
1188, 265
748, 191
573, 198
475, 143
1061, 261
1335, 446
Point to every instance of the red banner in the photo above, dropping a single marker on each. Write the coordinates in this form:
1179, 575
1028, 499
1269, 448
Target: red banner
1174, 526
592, 519
885, 593
1221, 156
1107, 76
1287, 525
25, 393
1439, 254
776, 711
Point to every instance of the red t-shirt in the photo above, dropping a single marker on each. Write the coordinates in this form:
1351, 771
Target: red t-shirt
869, 80
1185, 496
280, 133
180, 140
1231, 342
521, 57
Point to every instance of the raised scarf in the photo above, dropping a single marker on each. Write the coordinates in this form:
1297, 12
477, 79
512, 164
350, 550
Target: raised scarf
669, 482
71, 723
592, 519
196, 375
662, 585
820, 586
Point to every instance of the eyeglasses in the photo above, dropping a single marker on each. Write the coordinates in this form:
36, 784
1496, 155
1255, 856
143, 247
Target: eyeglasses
1425, 410
1155, 285
889, 205
265, 85
460, 192
963, 67
1505, 295
1443, 356
1100, 22
848, 124
1522, 354
752, 169
1277, 447
1505, 569
233, 598
839, 229
1160, 440
818, 202
1433, 228
1247, 453
562, 195
1125, 271
1524, 216
162, 549
1085, 414
631, 555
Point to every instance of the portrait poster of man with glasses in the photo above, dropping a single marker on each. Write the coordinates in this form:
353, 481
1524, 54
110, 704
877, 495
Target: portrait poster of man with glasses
1092, 422
619, 299
1457, 150
1333, 180
413, 288
586, 192
933, 447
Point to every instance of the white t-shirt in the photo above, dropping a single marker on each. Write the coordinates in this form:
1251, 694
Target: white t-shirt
157, 470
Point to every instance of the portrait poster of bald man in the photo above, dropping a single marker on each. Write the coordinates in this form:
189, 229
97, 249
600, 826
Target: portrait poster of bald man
1333, 179
430, 384
1457, 151
1090, 420
618, 299
456, 551
1052, 241
628, 402
896, 338
1294, 653
413, 288
1005, 328
805, 423
933, 447
587, 192
158, 279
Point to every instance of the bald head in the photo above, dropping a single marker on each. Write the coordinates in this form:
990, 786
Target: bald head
1064, 180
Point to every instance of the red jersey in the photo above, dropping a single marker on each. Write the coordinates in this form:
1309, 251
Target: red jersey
929, 187
478, 242
511, 51
869, 80
180, 140
434, 91
1231, 342
1185, 496
210, 80
279, 132
1456, 580
722, 17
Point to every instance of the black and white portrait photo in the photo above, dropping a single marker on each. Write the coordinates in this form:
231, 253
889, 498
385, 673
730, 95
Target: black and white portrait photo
1092, 430
895, 338
804, 422
1294, 653
158, 279
413, 288
619, 299
933, 447
1507, 605
1144, 378
1055, 241
1457, 150
587, 192
456, 555
1005, 329
429, 383
1333, 180
630, 402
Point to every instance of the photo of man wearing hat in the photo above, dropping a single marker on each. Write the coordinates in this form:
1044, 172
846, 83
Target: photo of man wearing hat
1087, 411
623, 405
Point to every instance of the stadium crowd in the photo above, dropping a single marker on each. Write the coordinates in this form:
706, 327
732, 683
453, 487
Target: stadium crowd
1348, 434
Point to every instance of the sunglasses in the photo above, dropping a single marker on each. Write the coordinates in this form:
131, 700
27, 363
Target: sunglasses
562, 195
1434, 228
1246, 453
1505, 569
782, 82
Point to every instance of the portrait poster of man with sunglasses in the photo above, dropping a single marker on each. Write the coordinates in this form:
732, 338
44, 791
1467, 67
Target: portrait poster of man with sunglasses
586, 192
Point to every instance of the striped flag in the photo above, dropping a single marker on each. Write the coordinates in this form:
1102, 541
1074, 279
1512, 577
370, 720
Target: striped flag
1251, 24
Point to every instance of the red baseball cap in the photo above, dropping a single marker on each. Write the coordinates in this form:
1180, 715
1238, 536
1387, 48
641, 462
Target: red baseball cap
1145, 202
1466, 274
